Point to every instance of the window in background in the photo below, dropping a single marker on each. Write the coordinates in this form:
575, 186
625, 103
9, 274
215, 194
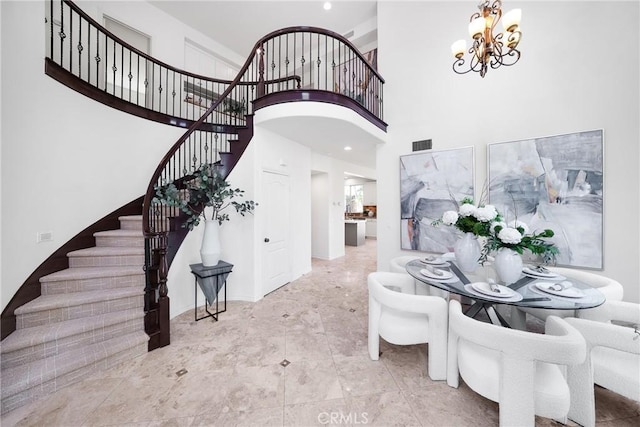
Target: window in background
353, 198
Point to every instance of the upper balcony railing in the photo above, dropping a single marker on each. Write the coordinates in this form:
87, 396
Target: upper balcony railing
115, 73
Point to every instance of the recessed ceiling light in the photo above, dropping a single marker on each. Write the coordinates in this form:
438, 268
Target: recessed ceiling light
347, 148
327, 5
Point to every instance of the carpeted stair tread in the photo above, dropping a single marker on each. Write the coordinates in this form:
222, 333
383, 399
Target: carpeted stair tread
23, 338
33, 374
119, 233
78, 273
50, 302
107, 251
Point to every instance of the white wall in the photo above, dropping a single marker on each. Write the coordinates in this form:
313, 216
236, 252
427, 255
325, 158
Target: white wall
320, 207
67, 160
578, 72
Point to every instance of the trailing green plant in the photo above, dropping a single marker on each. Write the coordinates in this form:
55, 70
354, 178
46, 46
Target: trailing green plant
205, 188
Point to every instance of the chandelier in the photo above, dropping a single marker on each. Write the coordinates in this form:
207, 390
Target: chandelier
489, 49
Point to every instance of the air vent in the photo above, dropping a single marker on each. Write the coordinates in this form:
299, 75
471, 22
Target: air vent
425, 144
347, 35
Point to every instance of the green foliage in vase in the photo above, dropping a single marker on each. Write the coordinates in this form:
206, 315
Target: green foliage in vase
205, 188
505, 237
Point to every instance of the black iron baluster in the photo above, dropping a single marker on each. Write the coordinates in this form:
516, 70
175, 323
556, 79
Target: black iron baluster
70, 41
121, 71
61, 34
80, 48
130, 75
173, 94
51, 27
114, 68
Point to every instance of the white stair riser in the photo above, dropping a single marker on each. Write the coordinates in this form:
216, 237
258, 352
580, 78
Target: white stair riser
50, 316
55, 347
32, 394
106, 261
131, 224
93, 284
120, 241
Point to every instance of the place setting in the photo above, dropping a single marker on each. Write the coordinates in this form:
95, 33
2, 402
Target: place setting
541, 272
493, 290
434, 261
562, 288
438, 275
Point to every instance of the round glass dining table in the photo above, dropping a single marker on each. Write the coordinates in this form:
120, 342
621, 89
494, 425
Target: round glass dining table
552, 292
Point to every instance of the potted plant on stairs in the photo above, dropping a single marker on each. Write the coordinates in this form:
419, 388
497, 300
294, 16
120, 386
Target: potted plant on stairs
204, 195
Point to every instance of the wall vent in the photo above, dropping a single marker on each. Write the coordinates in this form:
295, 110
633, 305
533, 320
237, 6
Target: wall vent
425, 144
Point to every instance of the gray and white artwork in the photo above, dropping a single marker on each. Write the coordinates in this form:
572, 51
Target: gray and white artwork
431, 183
554, 182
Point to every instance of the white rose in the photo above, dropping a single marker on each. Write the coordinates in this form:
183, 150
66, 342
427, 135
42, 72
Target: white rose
516, 224
486, 213
494, 224
467, 209
510, 236
450, 217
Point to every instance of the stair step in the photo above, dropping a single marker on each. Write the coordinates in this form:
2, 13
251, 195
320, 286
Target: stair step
39, 342
131, 222
48, 309
81, 279
120, 237
29, 382
106, 256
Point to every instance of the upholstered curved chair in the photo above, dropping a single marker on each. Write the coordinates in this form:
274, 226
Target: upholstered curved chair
517, 369
403, 318
613, 358
398, 265
611, 289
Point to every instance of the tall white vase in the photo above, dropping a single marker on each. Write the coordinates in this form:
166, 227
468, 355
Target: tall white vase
508, 265
467, 251
210, 249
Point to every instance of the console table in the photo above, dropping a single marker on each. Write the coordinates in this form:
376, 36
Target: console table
211, 280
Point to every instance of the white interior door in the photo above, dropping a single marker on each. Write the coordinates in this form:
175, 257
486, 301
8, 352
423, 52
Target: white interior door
276, 267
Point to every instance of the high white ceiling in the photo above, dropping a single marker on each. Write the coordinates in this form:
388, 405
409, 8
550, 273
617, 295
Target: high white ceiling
239, 24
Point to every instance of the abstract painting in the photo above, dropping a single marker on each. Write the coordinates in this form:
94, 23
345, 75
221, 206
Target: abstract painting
554, 182
431, 183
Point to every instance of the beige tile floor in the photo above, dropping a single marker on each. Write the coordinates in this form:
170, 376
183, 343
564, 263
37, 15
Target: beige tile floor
235, 373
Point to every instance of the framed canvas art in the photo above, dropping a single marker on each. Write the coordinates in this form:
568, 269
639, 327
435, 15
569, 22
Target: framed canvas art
431, 183
554, 182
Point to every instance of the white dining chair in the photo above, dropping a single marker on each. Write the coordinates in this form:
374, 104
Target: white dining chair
613, 357
612, 290
517, 369
402, 318
398, 265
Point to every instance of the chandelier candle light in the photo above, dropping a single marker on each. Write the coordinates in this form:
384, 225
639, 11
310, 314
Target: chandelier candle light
488, 49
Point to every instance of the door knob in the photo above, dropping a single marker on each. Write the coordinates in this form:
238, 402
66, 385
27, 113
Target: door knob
266, 240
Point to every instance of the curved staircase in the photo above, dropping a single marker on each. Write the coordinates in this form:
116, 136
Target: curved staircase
88, 318
112, 303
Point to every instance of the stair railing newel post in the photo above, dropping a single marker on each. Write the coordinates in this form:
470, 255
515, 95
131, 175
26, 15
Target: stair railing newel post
260, 89
163, 299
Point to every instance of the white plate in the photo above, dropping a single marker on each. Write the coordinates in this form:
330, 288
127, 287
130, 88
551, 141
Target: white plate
436, 262
569, 291
444, 276
532, 272
513, 297
484, 288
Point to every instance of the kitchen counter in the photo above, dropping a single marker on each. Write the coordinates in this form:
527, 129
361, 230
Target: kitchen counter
354, 232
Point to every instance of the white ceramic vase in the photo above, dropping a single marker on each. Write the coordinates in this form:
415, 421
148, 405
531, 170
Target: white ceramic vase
467, 251
210, 249
508, 265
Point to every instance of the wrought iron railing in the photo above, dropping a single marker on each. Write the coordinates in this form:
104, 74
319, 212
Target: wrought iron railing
306, 63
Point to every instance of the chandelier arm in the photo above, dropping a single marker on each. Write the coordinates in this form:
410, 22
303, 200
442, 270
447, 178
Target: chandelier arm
510, 58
